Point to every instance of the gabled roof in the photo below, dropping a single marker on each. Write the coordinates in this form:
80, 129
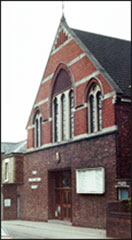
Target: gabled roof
110, 55
113, 54
7, 148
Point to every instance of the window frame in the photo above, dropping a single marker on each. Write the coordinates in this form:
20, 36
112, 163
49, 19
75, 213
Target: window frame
56, 119
38, 129
6, 170
92, 113
119, 193
63, 116
93, 126
71, 113
99, 111
66, 126
36, 132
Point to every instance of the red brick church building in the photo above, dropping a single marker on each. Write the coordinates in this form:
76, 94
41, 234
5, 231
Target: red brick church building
78, 132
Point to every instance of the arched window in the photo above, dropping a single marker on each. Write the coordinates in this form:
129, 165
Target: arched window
99, 112
56, 119
94, 109
92, 113
38, 130
71, 114
62, 104
63, 101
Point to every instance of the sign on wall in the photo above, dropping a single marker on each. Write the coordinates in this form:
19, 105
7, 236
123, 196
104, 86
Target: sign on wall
90, 180
34, 179
7, 202
34, 186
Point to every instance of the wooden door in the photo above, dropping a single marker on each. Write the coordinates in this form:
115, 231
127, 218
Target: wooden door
66, 205
63, 196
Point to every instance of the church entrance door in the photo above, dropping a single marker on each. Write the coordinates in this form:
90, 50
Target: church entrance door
63, 202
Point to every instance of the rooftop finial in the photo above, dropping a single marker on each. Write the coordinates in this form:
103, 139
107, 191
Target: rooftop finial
62, 8
63, 17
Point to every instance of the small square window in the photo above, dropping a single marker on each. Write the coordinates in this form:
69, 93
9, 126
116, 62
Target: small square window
123, 193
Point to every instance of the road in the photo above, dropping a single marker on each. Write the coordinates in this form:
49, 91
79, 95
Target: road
20, 229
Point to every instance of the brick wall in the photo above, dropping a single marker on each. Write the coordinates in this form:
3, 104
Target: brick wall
87, 210
47, 133
76, 71
123, 120
10, 192
30, 138
82, 68
19, 168
108, 113
80, 121
43, 91
65, 54
118, 224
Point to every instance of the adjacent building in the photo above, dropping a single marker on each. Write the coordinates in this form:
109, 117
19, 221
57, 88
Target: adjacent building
12, 177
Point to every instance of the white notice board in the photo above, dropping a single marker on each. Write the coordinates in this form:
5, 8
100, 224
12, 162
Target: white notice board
90, 180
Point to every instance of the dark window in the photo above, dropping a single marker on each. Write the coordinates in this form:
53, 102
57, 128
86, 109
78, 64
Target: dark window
63, 117
92, 113
71, 114
37, 133
56, 119
40, 131
6, 171
99, 112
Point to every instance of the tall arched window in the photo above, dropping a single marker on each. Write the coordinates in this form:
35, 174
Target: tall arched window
99, 112
92, 113
94, 109
38, 130
56, 119
63, 101
62, 104
71, 114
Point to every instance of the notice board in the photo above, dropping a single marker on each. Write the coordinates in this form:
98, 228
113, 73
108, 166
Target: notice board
90, 180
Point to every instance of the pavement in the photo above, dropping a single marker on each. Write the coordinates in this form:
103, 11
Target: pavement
54, 229
5, 234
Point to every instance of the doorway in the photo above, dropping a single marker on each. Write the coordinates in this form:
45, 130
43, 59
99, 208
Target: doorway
63, 203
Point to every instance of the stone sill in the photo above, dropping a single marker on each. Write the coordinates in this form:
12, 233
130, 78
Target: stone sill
75, 139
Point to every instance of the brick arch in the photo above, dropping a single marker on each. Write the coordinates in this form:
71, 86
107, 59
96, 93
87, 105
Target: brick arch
57, 86
88, 87
62, 82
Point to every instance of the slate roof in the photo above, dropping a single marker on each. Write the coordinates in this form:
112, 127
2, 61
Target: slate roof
7, 148
113, 54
